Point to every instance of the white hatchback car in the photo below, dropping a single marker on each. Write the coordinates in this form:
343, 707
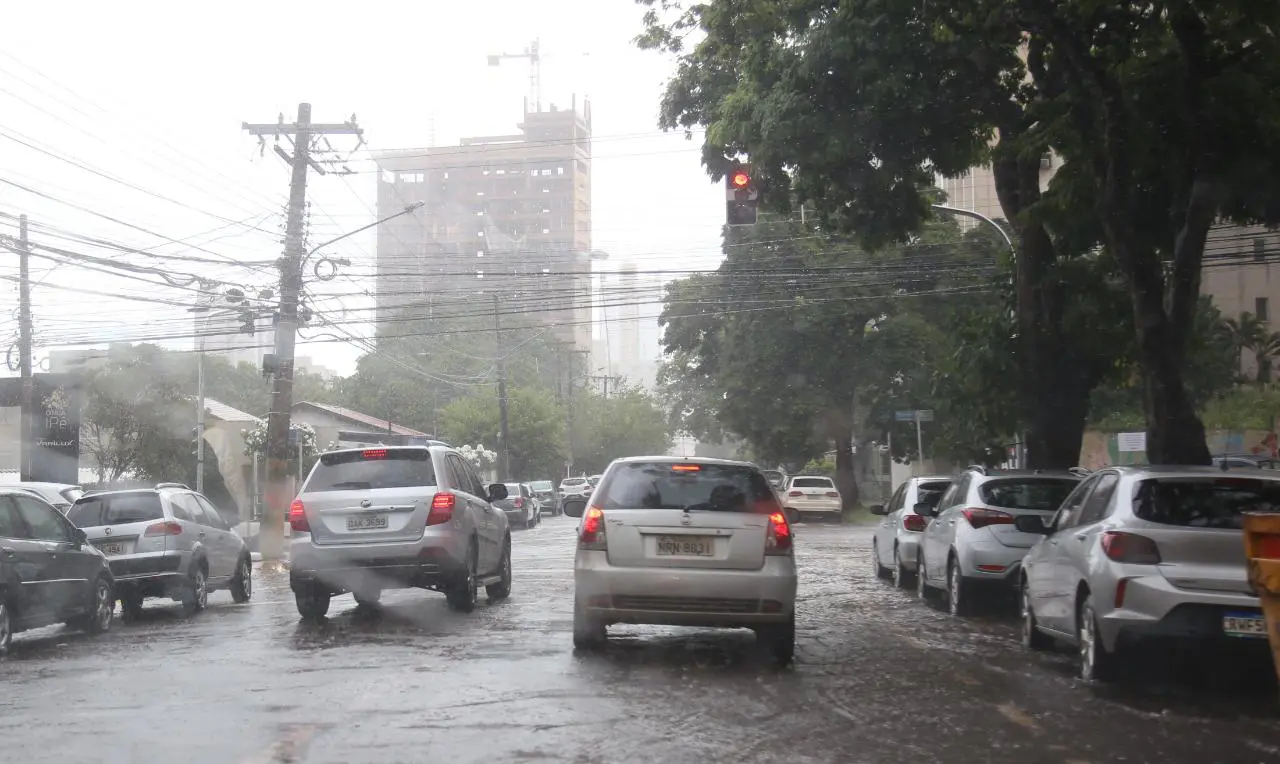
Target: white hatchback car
685, 542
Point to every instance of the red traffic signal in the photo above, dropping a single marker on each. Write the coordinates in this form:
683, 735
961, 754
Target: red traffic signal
741, 197
740, 179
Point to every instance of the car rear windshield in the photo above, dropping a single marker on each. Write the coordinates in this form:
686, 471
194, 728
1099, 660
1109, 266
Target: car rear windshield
929, 493
371, 469
513, 489
1043, 493
541, 485
115, 509
574, 481
811, 483
664, 485
1204, 502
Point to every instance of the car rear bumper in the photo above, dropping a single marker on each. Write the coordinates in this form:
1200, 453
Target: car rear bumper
350, 567
982, 558
1154, 608
908, 546
517, 516
684, 596
807, 507
147, 566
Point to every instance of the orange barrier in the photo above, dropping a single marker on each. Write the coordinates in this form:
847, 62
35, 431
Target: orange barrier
1262, 547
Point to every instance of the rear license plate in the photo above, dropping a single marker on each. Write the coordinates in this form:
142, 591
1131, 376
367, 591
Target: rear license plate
1244, 625
111, 549
686, 546
366, 522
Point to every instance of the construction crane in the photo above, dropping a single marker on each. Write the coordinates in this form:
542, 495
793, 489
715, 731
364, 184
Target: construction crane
535, 79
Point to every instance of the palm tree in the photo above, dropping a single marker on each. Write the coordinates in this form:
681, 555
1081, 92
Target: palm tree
1250, 333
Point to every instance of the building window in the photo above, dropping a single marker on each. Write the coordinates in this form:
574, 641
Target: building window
479, 274
479, 193
1260, 309
388, 176
480, 234
500, 172
480, 253
559, 171
546, 172
1260, 249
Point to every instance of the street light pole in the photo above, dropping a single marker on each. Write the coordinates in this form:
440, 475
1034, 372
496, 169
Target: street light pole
979, 216
200, 415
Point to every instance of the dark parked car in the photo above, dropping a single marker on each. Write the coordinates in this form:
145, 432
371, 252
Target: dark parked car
520, 506
49, 573
545, 492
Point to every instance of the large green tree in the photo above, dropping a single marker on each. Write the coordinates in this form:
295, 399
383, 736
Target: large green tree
535, 422
627, 423
1161, 114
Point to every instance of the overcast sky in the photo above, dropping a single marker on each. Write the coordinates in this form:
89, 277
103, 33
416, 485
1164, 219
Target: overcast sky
122, 122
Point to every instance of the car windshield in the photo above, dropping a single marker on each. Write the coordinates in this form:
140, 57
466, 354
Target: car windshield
371, 469
1039, 493
115, 509
1204, 502
694, 487
929, 493
812, 482
541, 485
573, 481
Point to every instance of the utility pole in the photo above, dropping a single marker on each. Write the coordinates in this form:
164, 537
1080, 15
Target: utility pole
279, 489
24, 349
504, 432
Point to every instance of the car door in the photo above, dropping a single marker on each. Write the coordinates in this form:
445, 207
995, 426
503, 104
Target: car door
1071, 552
226, 542
942, 531
25, 569
1051, 596
481, 512
887, 529
219, 569
65, 574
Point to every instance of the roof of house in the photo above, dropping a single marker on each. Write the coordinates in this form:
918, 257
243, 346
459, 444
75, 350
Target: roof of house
373, 422
220, 410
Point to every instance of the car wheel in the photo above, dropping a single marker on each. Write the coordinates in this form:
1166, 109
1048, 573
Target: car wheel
780, 640
502, 589
242, 584
880, 571
923, 590
462, 594
6, 629
588, 633
130, 605
901, 576
313, 602
957, 590
1095, 663
368, 598
793, 516
195, 595
1032, 637
104, 608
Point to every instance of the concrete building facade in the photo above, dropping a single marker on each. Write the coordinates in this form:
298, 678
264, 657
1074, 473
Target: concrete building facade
506, 214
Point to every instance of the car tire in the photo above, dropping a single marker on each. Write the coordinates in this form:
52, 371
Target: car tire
313, 602
461, 595
368, 598
1032, 637
502, 589
780, 640
959, 593
130, 605
195, 593
242, 584
6, 628
588, 633
1093, 661
901, 576
881, 572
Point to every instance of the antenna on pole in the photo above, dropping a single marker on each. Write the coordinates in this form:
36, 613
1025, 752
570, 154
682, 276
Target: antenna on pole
534, 55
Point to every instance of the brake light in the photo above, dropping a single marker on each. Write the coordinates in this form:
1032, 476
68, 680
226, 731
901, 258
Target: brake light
441, 509
778, 540
592, 535
981, 518
298, 517
796, 493
163, 529
374, 453
914, 522
518, 502
1131, 548
833, 494
686, 468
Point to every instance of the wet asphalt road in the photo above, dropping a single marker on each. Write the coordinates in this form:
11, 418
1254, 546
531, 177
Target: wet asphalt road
879, 677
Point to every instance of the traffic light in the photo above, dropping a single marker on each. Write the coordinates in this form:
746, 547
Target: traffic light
742, 200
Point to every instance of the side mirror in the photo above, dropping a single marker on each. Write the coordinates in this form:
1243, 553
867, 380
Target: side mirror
1031, 524
575, 508
879, 509
497, 491
924, 509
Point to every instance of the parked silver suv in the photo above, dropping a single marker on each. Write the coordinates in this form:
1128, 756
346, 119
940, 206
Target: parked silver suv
393, 518
166, 541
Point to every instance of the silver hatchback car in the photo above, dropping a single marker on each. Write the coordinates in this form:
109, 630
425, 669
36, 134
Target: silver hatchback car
685, 542
167, 541
1137, 553
394, 518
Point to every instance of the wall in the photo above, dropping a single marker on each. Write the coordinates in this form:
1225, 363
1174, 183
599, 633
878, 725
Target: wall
1101, 449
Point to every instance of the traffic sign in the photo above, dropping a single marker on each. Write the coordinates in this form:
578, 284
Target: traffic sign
918, 415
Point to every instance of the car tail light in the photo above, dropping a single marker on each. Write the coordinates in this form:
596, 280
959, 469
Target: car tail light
1122, 586
981, 518
778, 540
914, 522
441, 509
1130, 547
298, 517
374, 453
518, 502
796, 493
592, 535
833, 494
163, 529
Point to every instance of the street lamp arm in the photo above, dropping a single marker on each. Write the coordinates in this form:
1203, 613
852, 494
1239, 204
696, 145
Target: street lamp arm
405, 211
983, 218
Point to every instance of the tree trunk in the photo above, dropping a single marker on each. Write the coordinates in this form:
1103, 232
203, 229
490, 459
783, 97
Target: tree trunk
846, 476
1056, 419
1175, 434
